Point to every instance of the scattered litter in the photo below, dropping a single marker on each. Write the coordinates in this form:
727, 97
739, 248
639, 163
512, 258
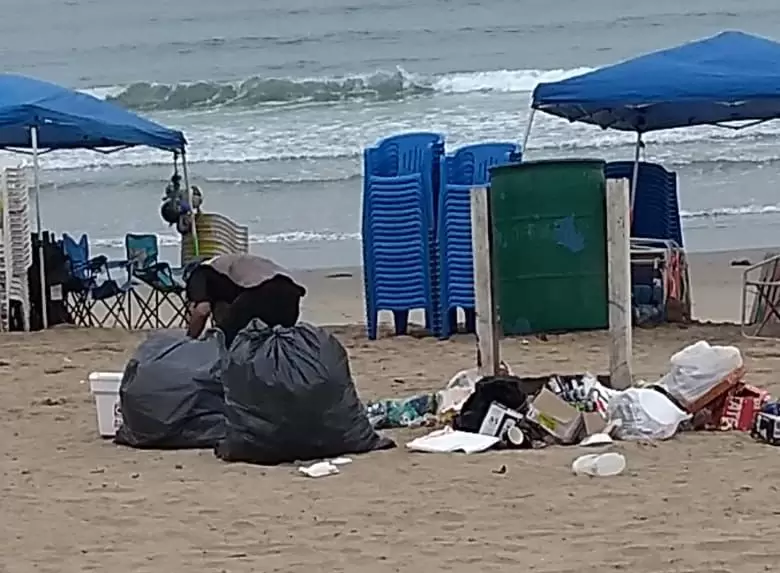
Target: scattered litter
646, 414
596, 440
411, 412
735, 410
318, 470
499, 420
700, 373
341, 461
562, 420
767, 424
515, 437
448, 440
599, 465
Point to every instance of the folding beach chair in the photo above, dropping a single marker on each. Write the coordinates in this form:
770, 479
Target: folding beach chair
92, 297
763, 318
164, 285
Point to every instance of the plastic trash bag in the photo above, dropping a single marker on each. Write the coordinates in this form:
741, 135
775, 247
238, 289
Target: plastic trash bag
698, 368
645, 414
507, 391
289, 396
451, 399
171, 393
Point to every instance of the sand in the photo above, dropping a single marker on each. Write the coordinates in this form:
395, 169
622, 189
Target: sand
71, 502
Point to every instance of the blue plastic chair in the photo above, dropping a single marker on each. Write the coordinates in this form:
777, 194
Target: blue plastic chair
164, 287
407, 154
468, 167
395, 248
90, 287
656, 204
396, 163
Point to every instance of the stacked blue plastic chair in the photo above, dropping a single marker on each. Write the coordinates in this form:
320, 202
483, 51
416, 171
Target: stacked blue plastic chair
466, 168
400, 187
656, 206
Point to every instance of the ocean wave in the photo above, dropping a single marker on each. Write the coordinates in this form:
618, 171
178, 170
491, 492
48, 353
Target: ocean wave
719, 212
170, 240
665, 153
292, 237
381, 85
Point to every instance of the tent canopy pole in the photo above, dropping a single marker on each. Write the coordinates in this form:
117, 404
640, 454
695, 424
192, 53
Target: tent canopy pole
193, 229
527, 134
635, 174
39, 226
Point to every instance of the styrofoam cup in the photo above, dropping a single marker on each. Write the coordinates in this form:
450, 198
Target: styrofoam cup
105, 388
599, 465
515, 436
583, 464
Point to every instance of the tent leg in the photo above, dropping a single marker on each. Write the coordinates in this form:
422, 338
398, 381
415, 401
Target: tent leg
635, 175
194, 229
39, 227
527, 134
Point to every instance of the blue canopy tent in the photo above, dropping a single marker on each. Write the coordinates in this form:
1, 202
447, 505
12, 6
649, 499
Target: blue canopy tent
41, 117
730, 77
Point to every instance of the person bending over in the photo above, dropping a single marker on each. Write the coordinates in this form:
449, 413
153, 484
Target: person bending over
234, 289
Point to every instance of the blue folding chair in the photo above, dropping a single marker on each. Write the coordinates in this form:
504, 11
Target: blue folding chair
164, 285
92, 297
468, 167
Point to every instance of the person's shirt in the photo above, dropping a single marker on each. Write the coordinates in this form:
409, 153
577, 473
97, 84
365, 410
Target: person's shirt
207, 285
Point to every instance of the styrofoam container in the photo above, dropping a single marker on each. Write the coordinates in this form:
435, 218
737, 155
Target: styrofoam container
599, 465
105, 388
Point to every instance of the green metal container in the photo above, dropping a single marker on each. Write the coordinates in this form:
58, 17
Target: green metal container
549, 245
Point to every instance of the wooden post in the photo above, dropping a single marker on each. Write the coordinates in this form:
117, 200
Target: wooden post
619, 273
487, 334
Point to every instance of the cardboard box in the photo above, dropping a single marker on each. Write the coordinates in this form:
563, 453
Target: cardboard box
718, 390
766, 428
498, 420
594, 423
740, 406
555, 416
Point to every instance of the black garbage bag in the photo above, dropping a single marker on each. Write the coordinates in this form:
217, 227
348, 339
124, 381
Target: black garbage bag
289, 396
171, 394
509, 391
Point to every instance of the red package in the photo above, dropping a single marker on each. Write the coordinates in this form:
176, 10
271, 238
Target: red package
738, 411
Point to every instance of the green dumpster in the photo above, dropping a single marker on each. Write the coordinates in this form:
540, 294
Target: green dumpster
549, 245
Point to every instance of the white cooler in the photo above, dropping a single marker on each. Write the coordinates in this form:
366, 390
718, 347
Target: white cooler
105, 389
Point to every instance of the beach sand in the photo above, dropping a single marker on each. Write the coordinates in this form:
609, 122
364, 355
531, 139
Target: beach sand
71, 502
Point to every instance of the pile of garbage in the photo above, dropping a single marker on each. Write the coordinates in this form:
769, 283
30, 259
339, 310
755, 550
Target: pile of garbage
703, 390
512, 412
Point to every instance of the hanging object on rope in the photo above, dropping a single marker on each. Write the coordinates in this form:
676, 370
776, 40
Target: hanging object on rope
176, 208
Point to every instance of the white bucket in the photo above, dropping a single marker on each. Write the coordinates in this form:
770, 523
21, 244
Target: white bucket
105, 389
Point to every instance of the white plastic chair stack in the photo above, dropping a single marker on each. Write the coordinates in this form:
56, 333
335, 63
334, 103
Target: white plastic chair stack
15, 246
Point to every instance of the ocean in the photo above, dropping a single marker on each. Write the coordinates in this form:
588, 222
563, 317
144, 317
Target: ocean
278, 99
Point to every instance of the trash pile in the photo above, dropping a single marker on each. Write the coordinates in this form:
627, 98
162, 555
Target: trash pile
708, 382
703, 390
521, 413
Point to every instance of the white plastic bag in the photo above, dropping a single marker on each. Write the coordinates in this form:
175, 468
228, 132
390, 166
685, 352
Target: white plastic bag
459, 388
645, 414
698, 368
